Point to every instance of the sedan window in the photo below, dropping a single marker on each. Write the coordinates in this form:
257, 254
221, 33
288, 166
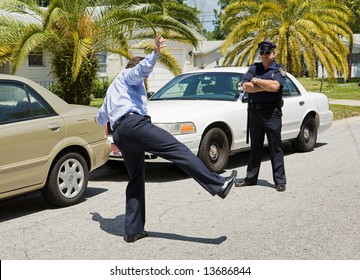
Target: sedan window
19, 103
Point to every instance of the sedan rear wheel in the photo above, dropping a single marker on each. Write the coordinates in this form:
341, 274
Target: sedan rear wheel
67, 181
214, 150
307, 137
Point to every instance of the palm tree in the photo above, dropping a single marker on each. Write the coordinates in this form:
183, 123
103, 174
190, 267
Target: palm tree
306, 31
74, 31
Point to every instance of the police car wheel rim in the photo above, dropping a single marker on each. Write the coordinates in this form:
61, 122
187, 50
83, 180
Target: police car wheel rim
214, 152
307, 134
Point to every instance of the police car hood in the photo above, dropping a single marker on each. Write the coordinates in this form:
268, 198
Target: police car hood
171, 111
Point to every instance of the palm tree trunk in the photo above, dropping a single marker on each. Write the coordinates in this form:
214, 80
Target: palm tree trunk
348, 78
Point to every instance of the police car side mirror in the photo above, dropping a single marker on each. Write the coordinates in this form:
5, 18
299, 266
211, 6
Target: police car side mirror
243, 95
150, 94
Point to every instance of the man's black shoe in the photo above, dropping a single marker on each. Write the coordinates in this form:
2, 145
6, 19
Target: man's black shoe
134, 237
243, 183
280, 187
229, 182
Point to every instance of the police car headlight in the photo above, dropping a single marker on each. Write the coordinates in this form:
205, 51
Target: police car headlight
178, 128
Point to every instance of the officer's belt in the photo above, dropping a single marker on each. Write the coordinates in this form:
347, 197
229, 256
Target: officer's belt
264, 106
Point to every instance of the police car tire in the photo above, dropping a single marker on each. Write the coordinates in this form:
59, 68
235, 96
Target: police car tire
214, 150
307, 137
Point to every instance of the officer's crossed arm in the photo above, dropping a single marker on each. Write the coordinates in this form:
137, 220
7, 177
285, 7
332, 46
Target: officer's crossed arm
259, 85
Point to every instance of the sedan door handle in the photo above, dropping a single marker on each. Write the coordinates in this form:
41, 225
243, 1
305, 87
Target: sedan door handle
302, 103
54, 126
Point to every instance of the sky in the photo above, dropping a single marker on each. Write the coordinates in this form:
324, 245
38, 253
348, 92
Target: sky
206, 7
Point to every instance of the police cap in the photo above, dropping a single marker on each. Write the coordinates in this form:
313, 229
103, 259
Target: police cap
266, 46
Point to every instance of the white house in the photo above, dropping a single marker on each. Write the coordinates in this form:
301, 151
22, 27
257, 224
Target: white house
355, 69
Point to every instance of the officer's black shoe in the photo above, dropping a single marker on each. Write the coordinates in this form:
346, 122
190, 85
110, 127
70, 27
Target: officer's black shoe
280, 187
134, 237
229, 182
243, 183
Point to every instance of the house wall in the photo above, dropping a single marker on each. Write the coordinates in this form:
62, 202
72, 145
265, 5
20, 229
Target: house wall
114, 64
5, 69
355, 70
210, 60
39, 74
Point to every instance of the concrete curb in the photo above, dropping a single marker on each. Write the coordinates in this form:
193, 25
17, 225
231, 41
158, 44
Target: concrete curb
345, 102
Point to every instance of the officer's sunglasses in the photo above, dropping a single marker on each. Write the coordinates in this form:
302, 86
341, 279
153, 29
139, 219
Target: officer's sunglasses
265, 52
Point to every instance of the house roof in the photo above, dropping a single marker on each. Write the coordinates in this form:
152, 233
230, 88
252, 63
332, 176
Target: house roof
27, 18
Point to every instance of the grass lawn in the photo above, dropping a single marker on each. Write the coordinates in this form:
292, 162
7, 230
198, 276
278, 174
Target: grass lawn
338, 90
96, 102
343, 111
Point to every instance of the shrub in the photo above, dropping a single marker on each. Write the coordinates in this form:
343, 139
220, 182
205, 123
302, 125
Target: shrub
100, 87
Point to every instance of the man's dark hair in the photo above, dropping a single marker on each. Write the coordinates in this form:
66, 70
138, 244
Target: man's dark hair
134, 61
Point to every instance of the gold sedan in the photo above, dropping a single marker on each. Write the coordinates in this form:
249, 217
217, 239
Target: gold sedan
46, 144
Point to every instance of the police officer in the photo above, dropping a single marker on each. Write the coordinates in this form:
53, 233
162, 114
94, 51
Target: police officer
264, 82
125, 108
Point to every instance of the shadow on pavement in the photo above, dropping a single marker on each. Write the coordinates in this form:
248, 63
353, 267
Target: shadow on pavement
115, 226
155, 172
33, 202
22, 205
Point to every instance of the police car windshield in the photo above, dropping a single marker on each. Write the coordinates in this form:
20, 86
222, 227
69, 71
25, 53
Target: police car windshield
204, 86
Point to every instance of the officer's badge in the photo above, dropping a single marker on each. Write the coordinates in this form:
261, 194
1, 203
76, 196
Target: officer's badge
282, 72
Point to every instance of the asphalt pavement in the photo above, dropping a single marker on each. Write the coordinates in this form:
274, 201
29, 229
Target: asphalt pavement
317, 218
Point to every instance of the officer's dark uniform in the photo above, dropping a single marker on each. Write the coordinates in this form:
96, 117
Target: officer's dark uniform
265, 118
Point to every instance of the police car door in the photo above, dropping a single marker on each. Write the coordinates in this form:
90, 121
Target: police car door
293, 110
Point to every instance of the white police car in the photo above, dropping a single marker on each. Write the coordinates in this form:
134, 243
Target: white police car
205, 110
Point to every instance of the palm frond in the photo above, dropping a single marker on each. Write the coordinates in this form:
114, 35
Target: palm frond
81, 51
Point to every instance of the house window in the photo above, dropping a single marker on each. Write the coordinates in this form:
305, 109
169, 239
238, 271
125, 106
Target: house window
102, 57
356, 58
36, 59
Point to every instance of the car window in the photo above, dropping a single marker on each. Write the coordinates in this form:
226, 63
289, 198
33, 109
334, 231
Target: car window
17, 102
209, 86
290, 89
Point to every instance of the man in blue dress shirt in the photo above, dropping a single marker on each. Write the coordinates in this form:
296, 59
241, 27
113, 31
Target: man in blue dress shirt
133, 133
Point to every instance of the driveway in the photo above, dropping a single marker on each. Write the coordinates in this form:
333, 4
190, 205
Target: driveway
317, 218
